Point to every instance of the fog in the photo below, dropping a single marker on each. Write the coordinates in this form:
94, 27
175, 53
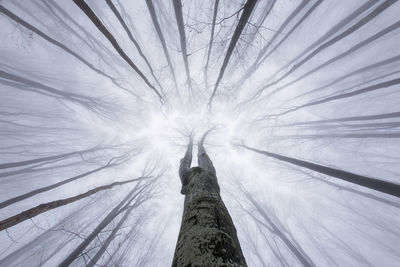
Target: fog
302, 99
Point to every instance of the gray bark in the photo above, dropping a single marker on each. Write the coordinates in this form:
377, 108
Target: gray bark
207, 236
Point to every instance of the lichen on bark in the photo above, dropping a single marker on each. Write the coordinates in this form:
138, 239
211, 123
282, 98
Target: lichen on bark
207, 236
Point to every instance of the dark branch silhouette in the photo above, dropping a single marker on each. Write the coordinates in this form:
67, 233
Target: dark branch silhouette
182, 36
120, 207
130, 35
96, 21
368, 89
28, 214
247, 10
58, 44
160, 35
372, 183
210, 43
345, 119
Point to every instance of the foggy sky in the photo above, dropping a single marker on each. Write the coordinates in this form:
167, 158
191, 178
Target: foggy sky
59, 104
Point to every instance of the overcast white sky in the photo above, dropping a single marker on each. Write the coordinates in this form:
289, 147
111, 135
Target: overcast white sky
120, 114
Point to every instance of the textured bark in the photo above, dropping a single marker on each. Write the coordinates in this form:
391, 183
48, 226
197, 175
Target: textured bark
207, 236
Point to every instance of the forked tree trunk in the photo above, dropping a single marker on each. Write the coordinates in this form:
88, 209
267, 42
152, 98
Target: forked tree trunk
207, 236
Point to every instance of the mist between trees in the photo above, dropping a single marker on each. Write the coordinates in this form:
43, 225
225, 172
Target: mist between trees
290, 108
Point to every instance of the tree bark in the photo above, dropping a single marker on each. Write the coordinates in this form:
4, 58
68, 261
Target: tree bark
207, 236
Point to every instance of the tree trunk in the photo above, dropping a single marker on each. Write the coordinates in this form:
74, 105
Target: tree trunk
207, 236
247, 10
387, 187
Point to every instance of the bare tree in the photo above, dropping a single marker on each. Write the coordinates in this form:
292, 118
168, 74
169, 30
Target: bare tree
262, 56
353, 73
182, 35
353, 49
49, 158
283, 234
93, 104
247, 10
130, 35
96, 21
111, 163
19, 20
28, 214
367, 89
372, 183
211, 42
347, 119
207, 234
304, 77
125, 204
339, 37
160, 35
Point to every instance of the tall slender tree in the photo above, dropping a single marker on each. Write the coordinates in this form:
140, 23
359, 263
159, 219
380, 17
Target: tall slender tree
211, 42
97, 22
160, 35
247, 10
182, 38
380, 185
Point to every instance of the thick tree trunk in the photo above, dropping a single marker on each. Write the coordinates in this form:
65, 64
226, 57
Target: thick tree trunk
207, 236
